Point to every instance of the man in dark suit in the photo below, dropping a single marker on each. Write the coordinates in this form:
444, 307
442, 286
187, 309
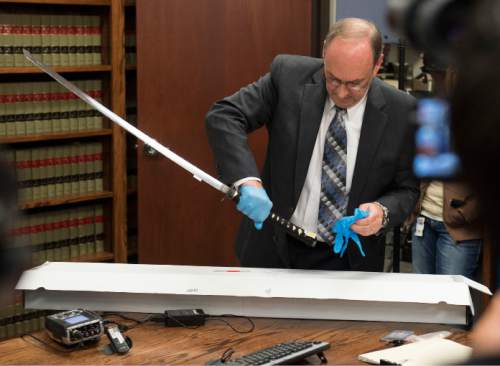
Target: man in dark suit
339, 138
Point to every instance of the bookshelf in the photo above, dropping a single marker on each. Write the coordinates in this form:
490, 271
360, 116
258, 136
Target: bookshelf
59, 69
80, 216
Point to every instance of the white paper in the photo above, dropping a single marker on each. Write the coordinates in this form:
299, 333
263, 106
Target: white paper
436, 351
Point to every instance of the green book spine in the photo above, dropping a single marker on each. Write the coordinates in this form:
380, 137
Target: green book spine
81, 108
23, 237
51, 172
23, 93
35, 107
54, 41
36, 34
82, 182
65, 24
59, 171
65, 235
66, 162
98, 168
45, 38
89, 167
43, 106
23, 171
18, 38
35, 256
7, 58
26, 38
99, 228
33, 221
52, 121
49, 235
60, 108
72, 39
75, 186
86, 85
80, 40
81, 232
89, 229
44, 155
95, 87
57, 221
84, 41
12, 108
36, 178
73, 233
3, 108
96, 39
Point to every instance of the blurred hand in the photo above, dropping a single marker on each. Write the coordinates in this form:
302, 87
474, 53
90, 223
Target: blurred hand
254, 202
372, 224
486, 333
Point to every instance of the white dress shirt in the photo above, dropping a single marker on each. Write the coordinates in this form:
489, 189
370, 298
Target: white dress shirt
306, 212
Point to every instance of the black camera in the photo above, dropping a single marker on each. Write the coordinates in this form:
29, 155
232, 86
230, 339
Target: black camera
435, 27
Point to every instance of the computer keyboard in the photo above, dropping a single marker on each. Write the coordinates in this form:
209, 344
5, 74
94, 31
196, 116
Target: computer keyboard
288, 353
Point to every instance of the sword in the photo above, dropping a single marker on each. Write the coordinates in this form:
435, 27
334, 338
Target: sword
307, 237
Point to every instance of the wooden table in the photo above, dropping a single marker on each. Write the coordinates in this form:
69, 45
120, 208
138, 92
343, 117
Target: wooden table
155, 344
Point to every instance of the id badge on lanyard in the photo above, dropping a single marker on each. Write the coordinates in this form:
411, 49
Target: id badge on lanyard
419, 227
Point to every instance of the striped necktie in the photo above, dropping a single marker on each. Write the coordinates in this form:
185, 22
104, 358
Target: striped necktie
333, 198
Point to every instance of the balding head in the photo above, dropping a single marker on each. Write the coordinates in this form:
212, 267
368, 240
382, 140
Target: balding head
356, 28
352, 57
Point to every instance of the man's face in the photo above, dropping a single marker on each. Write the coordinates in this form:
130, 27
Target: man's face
349, 70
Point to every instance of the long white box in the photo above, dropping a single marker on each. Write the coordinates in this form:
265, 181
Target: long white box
258, 292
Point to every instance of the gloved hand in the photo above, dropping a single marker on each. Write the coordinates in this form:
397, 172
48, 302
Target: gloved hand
255, 204
342, 229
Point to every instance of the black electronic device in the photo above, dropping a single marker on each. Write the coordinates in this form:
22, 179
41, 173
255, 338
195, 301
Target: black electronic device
456, 203
184, 318
119, 343
288, 353
74, 326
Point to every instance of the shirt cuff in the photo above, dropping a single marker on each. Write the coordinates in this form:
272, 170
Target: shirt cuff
239, 182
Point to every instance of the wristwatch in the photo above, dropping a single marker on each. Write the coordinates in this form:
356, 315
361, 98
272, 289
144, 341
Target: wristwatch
385, 219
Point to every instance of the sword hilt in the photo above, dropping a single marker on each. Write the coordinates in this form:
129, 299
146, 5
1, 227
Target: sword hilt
307, 237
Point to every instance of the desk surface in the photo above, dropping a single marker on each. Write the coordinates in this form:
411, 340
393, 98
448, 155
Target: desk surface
155, 344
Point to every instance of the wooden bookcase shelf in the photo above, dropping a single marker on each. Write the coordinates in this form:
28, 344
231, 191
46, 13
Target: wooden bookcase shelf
59, 69
100, 216
61, 2
55, 136
66, 200
98, 257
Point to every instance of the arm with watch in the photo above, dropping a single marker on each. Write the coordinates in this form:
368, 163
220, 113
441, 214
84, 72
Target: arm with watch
377, 220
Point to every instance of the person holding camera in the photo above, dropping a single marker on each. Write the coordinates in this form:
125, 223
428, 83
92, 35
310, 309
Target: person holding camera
446, 233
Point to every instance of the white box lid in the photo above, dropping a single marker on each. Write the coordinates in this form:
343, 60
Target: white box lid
250, 282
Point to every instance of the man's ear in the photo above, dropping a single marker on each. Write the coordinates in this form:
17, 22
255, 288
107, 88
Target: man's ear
378, 64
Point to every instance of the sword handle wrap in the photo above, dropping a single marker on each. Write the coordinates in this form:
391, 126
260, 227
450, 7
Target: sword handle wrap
307, 237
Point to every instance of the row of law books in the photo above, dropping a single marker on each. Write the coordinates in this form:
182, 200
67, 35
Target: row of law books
16, 321
28, 108
58, 40
61, 235
58, 171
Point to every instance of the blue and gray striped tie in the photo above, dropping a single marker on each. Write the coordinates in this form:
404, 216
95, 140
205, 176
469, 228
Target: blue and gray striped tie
333, 199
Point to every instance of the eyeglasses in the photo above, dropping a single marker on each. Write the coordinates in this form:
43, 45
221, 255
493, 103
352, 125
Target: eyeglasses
354, 86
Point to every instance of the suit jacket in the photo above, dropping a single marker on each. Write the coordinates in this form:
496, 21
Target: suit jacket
289, 102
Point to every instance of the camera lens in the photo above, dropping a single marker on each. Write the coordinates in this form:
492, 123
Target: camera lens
433, 26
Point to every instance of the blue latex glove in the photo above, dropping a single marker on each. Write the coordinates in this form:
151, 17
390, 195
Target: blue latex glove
343, 232
255, 204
